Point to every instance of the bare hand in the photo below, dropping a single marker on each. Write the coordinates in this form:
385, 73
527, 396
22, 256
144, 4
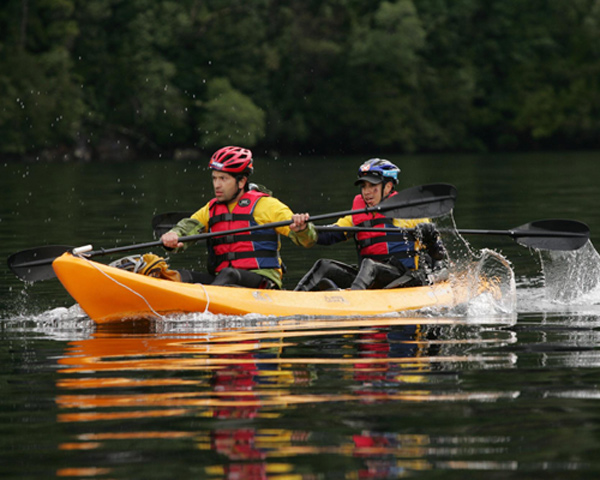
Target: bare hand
171, 240
299, 222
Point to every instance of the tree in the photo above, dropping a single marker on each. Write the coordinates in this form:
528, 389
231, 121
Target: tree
229, 117
41, 105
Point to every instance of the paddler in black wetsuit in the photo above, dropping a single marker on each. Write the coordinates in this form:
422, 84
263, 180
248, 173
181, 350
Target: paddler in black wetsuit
407, 256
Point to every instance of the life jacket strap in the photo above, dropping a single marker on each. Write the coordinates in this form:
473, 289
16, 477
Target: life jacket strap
229, 256
375, 222
250, 237
389, 237
230, 217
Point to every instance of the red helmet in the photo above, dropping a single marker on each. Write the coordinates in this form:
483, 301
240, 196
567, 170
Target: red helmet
233, 160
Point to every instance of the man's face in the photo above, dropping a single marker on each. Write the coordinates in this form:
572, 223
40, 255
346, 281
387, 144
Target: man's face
372, 193
226, 187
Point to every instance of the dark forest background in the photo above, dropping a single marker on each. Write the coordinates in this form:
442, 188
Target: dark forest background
99, 79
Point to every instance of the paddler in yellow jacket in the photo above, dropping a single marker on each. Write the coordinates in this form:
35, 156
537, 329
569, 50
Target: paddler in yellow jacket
408, 255
250, 259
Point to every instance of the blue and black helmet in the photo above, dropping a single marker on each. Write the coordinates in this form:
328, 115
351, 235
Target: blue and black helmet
377, 170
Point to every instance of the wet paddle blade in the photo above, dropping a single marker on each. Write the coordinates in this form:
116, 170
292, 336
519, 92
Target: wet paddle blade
555, 234
35, 264
423, 201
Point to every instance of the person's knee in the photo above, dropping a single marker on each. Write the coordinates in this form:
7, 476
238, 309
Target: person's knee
367, 263
312, 278
190, 276
228, 276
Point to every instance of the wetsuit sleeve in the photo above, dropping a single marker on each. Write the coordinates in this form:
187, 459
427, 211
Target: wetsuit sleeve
191, 226
428, 240
432, 241
331, 238
411, 224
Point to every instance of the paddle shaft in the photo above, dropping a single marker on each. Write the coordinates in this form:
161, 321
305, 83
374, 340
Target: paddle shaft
521, 233
393, 203
510, 233
204, 236
514, 234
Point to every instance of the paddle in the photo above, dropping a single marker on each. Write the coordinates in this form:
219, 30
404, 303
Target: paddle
554, 234
163, 222
433, 200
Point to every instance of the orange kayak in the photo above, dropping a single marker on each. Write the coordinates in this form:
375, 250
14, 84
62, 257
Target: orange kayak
109, 294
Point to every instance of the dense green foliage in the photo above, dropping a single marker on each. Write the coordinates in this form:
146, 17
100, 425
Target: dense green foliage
109, 77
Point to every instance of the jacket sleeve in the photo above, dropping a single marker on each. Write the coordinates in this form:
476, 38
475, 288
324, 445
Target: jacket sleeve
272, 210
306, 238
191, 226
331, 238
184, 228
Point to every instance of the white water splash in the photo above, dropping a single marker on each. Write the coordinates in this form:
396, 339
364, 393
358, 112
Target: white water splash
209, 322
570, 282
59, 323
572, 275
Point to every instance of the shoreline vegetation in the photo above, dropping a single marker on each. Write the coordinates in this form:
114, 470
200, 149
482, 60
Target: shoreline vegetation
103, 80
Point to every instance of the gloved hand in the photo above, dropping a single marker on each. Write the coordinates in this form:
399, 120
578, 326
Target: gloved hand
430, 237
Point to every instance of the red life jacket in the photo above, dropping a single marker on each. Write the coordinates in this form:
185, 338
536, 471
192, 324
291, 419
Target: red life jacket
253, 250
382, 245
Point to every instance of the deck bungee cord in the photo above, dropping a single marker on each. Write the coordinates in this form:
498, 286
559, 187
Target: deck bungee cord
129, 289
79, 253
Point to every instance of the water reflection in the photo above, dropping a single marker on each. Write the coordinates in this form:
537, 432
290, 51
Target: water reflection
242, 387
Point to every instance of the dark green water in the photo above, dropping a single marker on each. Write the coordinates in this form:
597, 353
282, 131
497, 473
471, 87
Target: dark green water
483, 394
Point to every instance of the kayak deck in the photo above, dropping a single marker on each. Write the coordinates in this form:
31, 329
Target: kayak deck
109, 294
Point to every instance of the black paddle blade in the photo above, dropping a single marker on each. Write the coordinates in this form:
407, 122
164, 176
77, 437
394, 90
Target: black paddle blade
424, 201
35, 264
163, 222
555, 234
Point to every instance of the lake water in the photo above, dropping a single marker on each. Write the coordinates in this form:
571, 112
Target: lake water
483, 392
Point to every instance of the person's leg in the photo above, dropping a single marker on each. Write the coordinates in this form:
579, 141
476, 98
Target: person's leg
325, 271
189, 276
242, 278
374, 274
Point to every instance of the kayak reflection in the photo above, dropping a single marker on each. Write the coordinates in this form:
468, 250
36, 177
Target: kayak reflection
232, 393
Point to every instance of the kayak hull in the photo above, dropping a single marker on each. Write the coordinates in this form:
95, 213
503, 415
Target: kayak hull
109, 294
